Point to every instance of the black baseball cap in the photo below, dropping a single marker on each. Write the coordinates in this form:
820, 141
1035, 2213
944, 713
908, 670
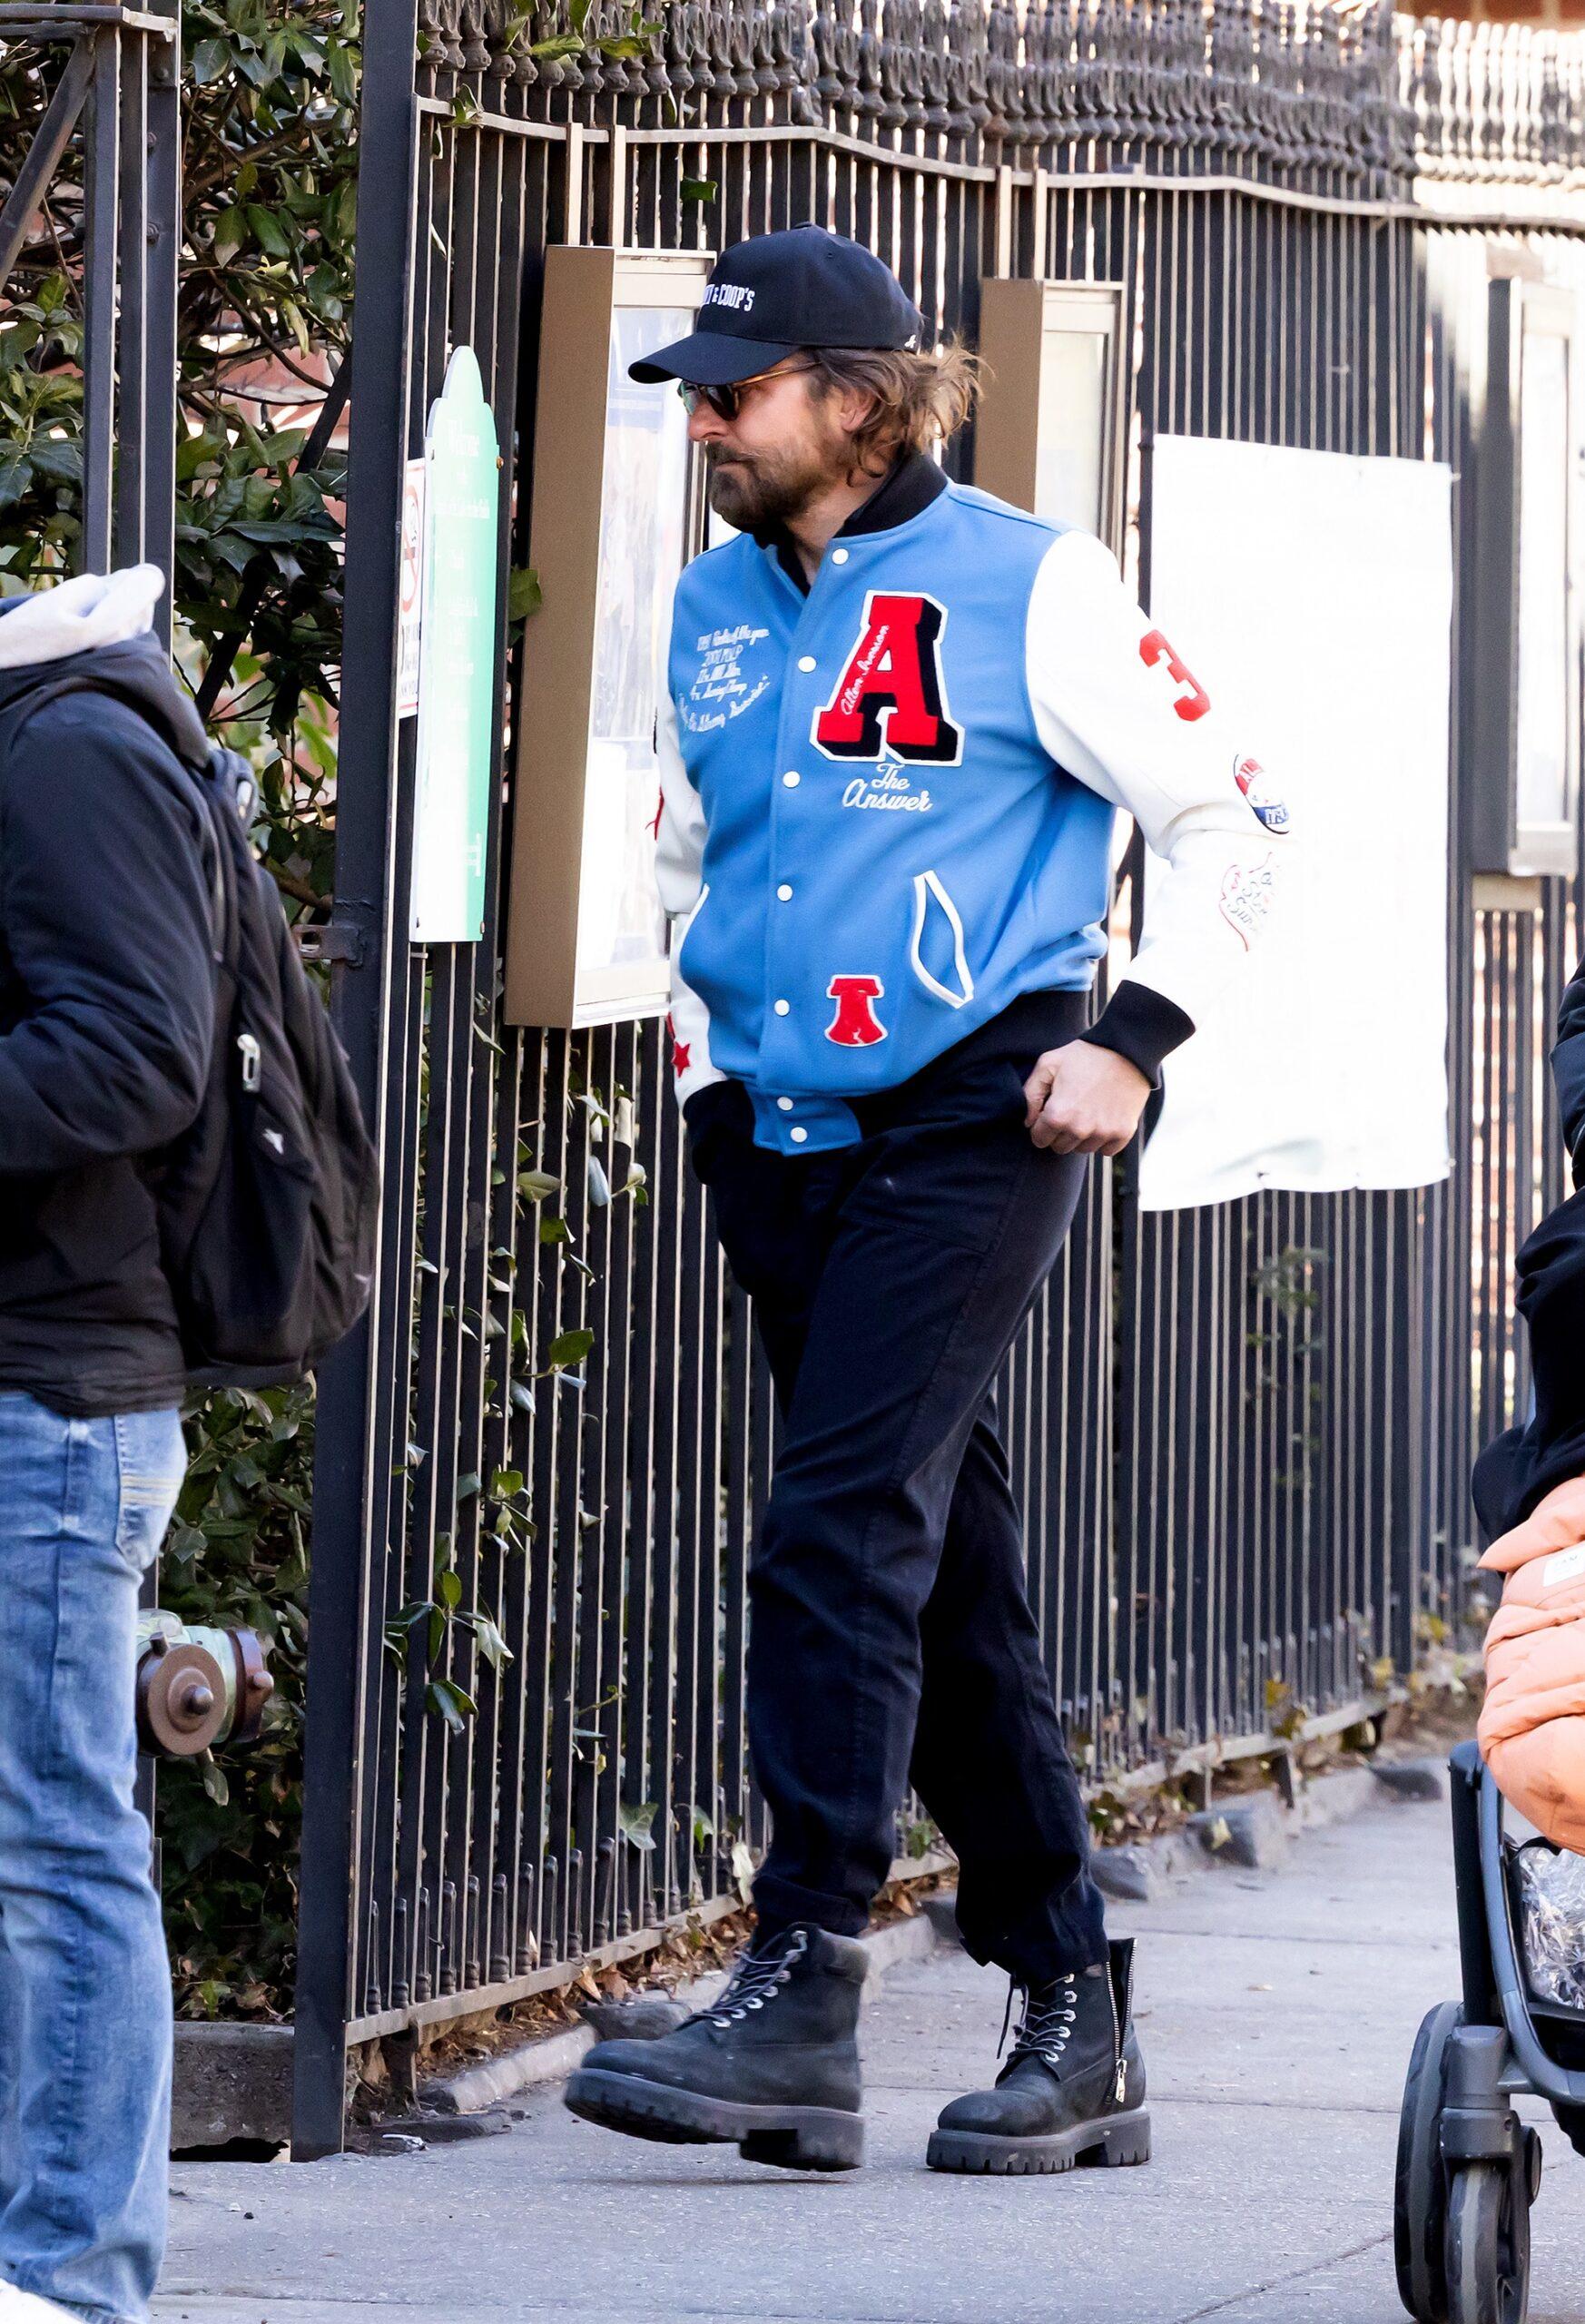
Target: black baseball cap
775, 294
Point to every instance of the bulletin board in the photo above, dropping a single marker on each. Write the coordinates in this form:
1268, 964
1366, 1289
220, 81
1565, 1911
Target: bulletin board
1317, 588
617, 511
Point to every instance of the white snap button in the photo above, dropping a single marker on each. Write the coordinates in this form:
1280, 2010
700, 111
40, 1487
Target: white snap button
791, 778
799, 1134
785, 1103
784, 1008
839, 556
806, 660
786, 892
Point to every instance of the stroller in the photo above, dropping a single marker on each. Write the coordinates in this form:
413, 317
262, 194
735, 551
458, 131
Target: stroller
1468, 2169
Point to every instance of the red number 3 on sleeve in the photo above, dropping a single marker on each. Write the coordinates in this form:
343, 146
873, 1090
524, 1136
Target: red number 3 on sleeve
1196, 702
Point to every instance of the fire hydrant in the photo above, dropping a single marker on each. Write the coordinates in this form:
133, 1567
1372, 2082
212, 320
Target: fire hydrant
198, 1688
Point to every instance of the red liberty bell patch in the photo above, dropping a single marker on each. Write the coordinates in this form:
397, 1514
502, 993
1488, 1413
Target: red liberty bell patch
892, 696
855, 1025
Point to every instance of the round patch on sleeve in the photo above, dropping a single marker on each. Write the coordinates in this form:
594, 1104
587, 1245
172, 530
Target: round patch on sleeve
1254, 782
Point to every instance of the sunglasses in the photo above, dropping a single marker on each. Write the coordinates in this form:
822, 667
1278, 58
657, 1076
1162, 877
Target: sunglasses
727, 402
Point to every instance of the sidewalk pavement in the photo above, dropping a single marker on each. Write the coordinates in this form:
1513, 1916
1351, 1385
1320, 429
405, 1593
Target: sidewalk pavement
1276, 2013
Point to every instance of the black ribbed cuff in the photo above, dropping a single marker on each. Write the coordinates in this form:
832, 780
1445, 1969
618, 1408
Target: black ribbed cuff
1143, 1026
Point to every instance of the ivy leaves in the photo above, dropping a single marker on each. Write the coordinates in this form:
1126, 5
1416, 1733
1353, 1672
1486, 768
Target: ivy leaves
635, 39
237, 1554
419, 1636
268, 221
41, 456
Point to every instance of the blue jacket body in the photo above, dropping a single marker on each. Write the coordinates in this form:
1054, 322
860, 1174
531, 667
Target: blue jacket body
887, 803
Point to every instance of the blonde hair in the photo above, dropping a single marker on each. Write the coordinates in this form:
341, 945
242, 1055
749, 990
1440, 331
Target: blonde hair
917, 399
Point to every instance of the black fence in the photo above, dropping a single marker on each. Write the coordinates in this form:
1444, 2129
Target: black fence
1241, 1436
102, 143
1242, 1451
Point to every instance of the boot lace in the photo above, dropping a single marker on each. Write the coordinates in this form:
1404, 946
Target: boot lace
1046, 2024
756, 1980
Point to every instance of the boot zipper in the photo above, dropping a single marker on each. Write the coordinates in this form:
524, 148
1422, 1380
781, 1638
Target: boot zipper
1121, 2084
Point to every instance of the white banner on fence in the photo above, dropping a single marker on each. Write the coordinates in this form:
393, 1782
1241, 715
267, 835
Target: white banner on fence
1319, 586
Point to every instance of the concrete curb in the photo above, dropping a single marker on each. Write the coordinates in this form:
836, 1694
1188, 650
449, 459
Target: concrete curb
1251, 1833
231, 2082
550, 2059
554, 2056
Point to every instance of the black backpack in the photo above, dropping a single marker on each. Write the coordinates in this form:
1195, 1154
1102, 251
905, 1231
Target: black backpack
269, 1202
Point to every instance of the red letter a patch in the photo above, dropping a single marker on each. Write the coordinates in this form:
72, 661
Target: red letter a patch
891, 694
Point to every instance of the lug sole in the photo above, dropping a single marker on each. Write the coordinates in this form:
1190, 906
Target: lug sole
1110, 2144
793, 2138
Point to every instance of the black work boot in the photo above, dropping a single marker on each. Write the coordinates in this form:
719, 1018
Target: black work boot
1073, 2090
772, 2067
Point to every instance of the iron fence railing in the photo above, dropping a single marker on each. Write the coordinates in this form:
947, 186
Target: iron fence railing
1241, 1436
96, 186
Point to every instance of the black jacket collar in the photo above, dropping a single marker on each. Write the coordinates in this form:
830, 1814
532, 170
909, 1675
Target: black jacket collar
905, 492
913, 483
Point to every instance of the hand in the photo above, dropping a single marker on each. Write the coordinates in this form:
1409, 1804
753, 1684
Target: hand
1084, 1099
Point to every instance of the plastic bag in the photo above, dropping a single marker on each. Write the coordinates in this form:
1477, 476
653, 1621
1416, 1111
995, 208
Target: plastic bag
1551, 1908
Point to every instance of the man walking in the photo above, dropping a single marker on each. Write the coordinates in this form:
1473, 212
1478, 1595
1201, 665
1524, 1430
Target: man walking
897, 719
106, 1019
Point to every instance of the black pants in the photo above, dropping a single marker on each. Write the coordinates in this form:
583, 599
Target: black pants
891, 1635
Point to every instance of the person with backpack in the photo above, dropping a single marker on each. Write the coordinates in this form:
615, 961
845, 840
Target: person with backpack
187, 1195
106, 1027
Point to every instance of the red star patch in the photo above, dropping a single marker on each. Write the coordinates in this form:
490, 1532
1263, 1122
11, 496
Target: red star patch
681, 1050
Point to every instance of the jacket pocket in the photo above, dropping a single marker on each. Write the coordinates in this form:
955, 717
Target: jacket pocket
938, 933
152, 1461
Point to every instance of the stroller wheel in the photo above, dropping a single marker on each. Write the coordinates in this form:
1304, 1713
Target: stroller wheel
1488, 2243
1420, 2188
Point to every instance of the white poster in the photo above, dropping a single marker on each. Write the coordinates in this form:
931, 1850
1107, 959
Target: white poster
1318, 587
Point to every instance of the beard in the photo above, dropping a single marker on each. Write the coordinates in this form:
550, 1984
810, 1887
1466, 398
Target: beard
754, 493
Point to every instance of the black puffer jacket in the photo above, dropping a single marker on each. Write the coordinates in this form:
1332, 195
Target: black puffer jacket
1569, 1069
1516, 1471
106, 1001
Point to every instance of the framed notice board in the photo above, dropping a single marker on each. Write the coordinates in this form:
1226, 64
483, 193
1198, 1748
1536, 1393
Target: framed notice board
1524, 636
617, 511
1049, 434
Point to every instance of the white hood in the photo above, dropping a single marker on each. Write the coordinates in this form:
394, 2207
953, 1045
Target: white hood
95, 609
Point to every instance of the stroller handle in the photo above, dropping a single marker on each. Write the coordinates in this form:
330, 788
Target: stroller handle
1548, 2080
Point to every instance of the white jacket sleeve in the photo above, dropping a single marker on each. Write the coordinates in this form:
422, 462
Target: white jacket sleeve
679, 856
1117, 707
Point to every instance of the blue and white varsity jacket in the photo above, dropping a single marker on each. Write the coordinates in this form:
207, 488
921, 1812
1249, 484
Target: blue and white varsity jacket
887, 805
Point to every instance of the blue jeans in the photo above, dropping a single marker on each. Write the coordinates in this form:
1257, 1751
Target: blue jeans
84, 1980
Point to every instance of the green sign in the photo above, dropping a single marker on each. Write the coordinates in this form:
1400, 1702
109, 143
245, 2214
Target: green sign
456, 660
